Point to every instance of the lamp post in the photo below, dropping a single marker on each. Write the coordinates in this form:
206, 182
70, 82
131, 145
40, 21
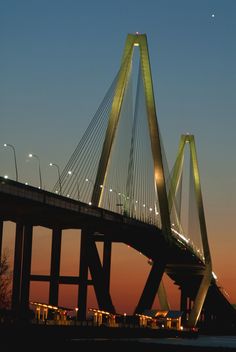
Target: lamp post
40, 176
109, 190
77, 181
59, 176
14, 153
76, 313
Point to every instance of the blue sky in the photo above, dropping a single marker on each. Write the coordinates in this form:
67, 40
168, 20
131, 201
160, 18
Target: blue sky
59, 57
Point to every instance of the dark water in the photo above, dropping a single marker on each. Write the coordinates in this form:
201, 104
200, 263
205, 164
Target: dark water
202, 343
199, 344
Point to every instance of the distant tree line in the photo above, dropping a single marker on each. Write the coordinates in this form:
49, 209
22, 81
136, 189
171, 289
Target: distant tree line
5, 282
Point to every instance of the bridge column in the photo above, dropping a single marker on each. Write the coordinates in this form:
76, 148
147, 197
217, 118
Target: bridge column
107, 262
1, 235
89, 259
16, 285
99, 278
55, 266
26, 267
183, 303
151, 287
83, 276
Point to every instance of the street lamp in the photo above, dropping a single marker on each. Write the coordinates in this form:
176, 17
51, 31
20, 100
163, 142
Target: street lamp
76, 313
109, 190
14, 153
59, 175
77, 181
40, 176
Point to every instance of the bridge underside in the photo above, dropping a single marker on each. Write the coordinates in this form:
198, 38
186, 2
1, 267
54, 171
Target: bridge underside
28, 207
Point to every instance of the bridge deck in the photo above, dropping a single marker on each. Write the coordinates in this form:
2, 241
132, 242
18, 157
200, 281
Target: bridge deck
26, 204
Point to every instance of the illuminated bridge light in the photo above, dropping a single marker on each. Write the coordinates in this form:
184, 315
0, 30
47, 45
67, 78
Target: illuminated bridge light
180, 235
214, 275
98, 311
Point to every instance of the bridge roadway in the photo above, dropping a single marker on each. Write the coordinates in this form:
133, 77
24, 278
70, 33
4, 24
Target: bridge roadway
25, 204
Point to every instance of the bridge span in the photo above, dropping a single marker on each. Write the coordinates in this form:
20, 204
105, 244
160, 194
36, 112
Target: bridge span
29, 206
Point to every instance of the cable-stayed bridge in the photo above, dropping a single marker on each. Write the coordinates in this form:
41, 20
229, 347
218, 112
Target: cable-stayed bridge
117, 187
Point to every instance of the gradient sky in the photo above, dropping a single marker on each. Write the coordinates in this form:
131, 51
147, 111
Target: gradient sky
58, 57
